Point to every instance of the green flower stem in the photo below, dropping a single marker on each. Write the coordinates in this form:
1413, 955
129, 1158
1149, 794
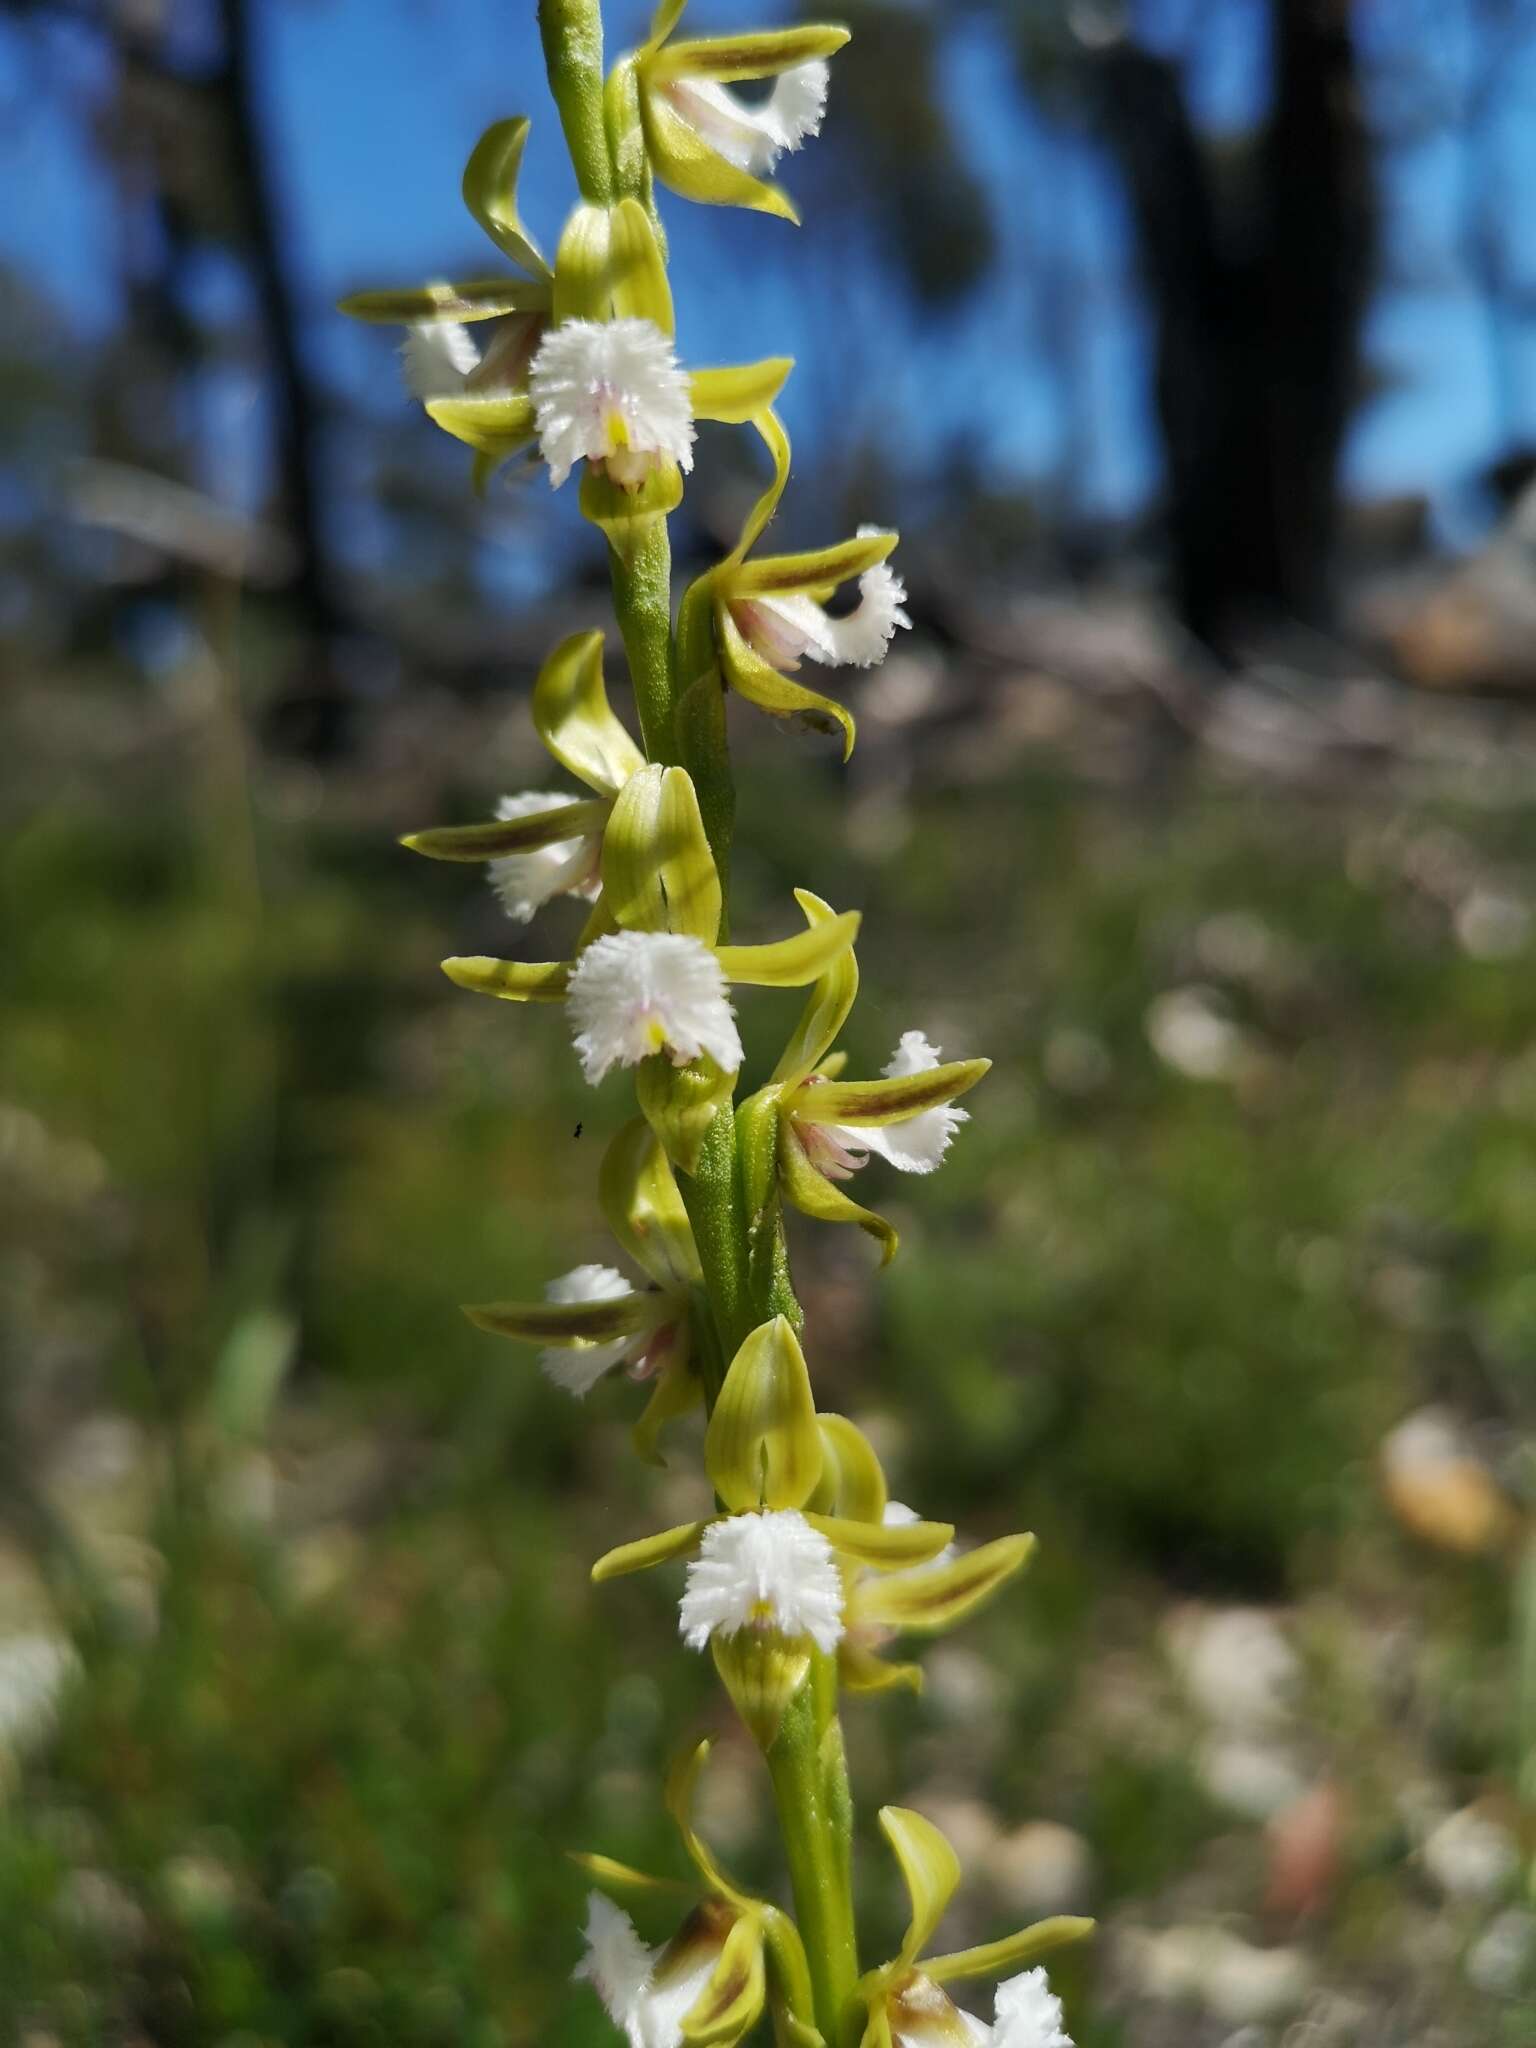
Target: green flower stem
642, 603
810, 1788
700, 720
712, 1199
680, 704
572, 35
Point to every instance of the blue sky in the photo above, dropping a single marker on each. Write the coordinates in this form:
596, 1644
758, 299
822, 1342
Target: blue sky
372, 105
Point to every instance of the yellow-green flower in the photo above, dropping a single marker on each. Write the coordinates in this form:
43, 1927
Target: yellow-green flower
707, 143
710, 1983
443, 360
809, 1129
905, 2003
769, 613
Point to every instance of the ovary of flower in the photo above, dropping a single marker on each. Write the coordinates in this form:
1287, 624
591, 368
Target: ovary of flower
620, 1967
578, 1368
611, 392
753, 137
767, 1570
525, 882
437, 359
784, 630
632, 994
914, 1144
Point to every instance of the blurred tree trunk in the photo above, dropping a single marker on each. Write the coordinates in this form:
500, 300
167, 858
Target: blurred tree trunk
185, 142
1256, 311
297, 424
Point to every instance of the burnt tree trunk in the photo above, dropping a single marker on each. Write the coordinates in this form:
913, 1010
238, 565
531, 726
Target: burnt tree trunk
1256, 301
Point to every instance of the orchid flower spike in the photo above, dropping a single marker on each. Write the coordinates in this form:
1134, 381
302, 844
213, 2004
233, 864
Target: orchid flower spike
905, 2000
769, 612
707, 143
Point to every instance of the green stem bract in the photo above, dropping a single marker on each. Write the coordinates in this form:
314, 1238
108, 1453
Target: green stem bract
810, 1788
572, 34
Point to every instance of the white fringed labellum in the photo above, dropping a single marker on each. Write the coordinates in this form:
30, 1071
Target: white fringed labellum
525, 882
915, 1142
612, 393
769, 1571
633, 994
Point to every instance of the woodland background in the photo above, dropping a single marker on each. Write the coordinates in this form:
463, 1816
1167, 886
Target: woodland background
1193, 347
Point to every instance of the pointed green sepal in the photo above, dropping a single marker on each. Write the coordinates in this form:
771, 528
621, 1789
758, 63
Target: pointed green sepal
680, 1104
826, 1011
1002, 1958
501, 836
740, 392
658, 872
860, 1670
771, 690
762, 1671
687, 165
668, 14
639, 276
569, 1323
485, 466
789, 1981
677, 1391
493, 425
852, 1485
621, 1878
762, 1447
931, 1871
599, 925
817, 570
490, 193
643, 1208
515, 981
945, 1594
731, 2003
683, 1773
625, 515
776, 441
466, 299
809, 1191
730, 59
583, 284
892, 1547
791, 963
869, 1104
573, 718
663, 1548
